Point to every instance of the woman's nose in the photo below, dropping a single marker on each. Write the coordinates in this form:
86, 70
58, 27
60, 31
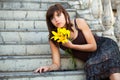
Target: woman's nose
56, 19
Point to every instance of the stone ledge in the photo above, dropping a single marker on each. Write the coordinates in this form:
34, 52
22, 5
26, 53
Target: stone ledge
51, 73
32, 1
24, 30
30, 63
24, 49
27, 15
28, 5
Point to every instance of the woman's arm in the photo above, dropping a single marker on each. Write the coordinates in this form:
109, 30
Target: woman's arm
91, 43
55, 60
55, 56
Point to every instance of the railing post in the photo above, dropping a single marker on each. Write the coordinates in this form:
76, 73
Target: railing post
108, 19
117, 26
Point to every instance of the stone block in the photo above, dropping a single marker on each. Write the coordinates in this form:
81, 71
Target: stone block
19, 14
40, 25
11, 24
10, 37
31, 6
38, 49
2, 25
6, 50
26, 25
10, 5
6, 14
36, 15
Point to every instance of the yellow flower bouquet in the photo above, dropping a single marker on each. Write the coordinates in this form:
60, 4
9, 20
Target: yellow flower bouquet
62, 35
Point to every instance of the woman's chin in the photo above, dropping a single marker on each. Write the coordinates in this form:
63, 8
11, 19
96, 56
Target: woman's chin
59, 27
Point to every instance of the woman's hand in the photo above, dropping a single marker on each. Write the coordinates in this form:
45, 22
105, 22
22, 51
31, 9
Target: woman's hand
68, 44
47, 68
42, 69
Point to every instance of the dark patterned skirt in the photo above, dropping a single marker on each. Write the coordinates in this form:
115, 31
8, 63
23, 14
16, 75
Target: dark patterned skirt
104, 61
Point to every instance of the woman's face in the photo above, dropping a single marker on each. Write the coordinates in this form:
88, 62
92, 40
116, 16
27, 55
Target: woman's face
58, 19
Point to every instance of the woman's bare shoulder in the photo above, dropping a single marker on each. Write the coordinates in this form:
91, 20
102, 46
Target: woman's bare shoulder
80, 20
81, 23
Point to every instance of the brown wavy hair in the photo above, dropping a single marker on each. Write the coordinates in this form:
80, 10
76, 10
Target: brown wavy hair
49, 15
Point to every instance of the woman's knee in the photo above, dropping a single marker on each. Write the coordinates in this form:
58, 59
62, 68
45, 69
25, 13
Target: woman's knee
115, 76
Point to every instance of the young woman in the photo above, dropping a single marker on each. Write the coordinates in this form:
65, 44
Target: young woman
101, 55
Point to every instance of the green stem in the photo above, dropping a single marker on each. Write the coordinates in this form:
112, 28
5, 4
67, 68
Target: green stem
73, 60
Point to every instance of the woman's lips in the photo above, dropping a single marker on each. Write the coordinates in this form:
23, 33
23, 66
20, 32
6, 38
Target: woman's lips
58, 24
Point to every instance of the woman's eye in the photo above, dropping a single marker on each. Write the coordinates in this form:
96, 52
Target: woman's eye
59, 14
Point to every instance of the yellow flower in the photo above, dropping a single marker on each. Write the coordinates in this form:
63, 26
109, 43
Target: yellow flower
62, 35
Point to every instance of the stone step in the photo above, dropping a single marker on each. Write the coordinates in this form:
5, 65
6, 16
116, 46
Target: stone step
23, 25
36, 26
24, 38
30, 63
30, 5
24, 29
25, 49
34, 0
54, 75
16, 15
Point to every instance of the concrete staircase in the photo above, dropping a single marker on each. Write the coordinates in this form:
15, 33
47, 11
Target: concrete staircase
24, 42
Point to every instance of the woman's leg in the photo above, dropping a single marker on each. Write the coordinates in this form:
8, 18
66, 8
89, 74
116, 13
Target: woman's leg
115, 76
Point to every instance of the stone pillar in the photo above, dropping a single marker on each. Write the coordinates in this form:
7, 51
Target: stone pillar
113, 3
117, 24
97, 11
108, 19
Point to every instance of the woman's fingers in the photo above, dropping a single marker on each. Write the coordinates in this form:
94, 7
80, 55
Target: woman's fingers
37, 70
41, 69
46, 69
